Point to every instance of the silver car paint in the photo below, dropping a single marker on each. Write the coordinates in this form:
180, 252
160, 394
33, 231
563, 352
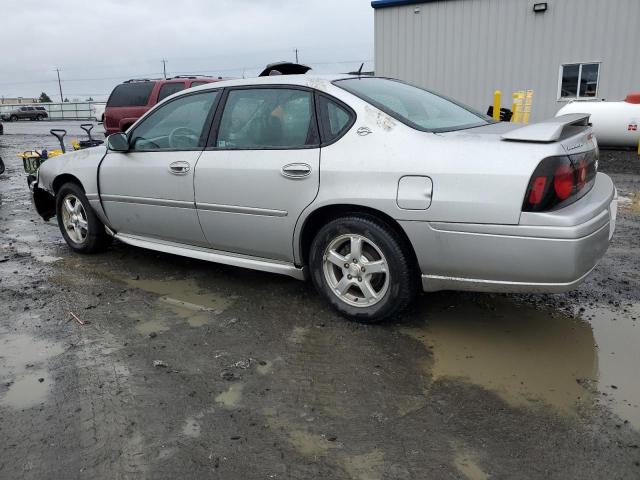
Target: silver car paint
140, 201
478, 182
248, 204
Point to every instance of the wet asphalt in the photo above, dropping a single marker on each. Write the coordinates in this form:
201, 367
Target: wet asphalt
186, 369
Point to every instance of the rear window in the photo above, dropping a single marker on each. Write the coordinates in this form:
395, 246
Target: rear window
197, 83
130, 94
413, 106
169, 89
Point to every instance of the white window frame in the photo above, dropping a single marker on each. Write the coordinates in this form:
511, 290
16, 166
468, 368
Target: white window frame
560, 98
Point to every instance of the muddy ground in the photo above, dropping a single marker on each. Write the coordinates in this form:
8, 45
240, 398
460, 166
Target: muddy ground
186, 369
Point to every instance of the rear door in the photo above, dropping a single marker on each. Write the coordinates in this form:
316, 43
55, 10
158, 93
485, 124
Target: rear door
148, 191
260, 170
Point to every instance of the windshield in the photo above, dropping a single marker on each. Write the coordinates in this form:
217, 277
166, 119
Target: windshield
413, 106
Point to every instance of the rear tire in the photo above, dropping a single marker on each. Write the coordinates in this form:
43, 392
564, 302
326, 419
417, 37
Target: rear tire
362, 268
80, 226
13, 118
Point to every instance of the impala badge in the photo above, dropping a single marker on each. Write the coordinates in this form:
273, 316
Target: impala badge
363, 131
573, 147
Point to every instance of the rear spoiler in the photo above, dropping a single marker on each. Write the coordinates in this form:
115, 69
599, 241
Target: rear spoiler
547, 130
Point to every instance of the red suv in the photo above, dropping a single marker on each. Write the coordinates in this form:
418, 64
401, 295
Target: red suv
131, 99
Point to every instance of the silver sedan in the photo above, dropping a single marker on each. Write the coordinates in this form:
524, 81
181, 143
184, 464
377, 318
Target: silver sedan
371, 187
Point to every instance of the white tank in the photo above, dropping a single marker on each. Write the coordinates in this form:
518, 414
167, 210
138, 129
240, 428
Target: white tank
615, 124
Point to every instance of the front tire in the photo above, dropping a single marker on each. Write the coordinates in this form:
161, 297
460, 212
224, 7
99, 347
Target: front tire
81, 228
362, 268
13, 118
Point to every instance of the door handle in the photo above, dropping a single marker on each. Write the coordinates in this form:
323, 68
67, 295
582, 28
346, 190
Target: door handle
296, 170
179, 168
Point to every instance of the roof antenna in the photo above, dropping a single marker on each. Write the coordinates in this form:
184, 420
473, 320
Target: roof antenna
360, 69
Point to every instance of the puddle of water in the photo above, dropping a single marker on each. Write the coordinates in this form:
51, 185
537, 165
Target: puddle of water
231, 398
28, 245
523, 354
369, 466
618, 340
298, 335
22, 365
631, 203
184, 297
305, 442
27, 391
191, 428
157, 325
265, 368
467, 466
308, 444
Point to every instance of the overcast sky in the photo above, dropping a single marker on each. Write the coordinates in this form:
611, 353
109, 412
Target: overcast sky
97, 44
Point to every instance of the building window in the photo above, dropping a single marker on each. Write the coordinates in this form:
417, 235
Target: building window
579, 80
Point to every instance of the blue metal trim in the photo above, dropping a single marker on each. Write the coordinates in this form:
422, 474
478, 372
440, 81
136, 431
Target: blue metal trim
394, 3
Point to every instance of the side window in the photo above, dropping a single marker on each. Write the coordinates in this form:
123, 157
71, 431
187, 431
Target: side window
579, 80
134, 94
267, 118
197, 83
334, 118
169, 89
178, 125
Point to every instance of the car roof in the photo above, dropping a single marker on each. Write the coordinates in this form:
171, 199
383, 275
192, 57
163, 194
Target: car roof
313, 81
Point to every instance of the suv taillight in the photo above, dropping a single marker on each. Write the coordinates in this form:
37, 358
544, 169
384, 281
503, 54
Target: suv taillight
560, 181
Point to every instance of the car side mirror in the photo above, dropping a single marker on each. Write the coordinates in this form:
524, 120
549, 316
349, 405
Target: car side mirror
118, 142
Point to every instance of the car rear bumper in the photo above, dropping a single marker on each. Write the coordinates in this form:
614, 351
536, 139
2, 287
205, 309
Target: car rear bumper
547, 252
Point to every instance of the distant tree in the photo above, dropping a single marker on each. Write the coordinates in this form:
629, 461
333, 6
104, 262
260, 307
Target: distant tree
66, 99
90, 99
44, 98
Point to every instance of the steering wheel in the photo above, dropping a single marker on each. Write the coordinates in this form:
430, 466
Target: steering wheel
178, 136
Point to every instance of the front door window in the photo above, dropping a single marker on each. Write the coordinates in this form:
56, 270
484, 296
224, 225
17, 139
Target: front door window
180, 124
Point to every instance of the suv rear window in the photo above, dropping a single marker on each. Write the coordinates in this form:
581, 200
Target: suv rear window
130, 94
413, 106
169, 89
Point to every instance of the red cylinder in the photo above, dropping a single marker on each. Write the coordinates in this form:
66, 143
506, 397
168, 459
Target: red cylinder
633, 98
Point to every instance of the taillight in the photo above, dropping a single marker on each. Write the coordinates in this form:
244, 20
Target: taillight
564, 181
560, 181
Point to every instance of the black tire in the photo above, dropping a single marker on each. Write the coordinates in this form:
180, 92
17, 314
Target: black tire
96, 238
401, 269
13, 118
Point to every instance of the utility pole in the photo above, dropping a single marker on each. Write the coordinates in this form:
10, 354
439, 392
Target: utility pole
59, 85
164, 68
297, 55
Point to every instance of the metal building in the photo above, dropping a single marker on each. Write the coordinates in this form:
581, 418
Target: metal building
466, 49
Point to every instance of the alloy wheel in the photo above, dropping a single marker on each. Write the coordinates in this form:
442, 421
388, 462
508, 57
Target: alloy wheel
74, 219
356, 270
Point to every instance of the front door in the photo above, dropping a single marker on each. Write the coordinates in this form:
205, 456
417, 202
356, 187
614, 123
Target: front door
148, 191
259, 172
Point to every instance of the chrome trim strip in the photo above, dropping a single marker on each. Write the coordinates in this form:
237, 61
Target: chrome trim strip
91, 196
217, 256
213, 207
160, 202
435, 283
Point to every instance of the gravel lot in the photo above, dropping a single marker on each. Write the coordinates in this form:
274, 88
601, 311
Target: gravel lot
185, 369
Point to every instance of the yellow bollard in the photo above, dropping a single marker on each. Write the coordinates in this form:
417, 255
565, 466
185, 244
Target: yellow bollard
496, 105
516, 107
639, 147
528, 102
